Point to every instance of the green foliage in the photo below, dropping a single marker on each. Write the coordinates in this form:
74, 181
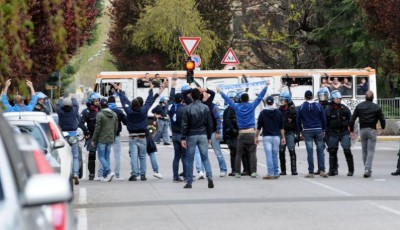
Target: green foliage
162, 25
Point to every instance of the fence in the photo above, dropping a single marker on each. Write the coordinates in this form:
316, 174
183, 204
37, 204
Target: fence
390, 107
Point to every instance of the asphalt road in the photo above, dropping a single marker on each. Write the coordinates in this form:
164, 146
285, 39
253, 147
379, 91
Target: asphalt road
291, 202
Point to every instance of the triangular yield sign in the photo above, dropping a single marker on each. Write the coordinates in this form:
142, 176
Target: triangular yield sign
189, 44
230, 58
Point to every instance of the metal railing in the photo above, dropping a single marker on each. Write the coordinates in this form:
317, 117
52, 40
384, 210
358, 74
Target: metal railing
390, 107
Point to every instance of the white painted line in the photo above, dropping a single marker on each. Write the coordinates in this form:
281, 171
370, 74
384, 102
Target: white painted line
84, 171
327, 187
82, 219
383, 207
82, 196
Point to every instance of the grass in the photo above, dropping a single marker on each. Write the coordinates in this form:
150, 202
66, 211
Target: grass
93, 59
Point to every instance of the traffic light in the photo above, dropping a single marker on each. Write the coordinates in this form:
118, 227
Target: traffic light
189, 66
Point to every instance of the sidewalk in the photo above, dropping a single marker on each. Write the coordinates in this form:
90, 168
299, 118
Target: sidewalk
388, 138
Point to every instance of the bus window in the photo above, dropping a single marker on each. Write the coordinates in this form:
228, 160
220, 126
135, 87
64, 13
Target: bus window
297, 85
347, 87
341, 83
362, 85
144, 82
213, 83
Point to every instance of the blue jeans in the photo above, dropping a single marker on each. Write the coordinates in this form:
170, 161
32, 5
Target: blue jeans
103, 152
137, 150
316, 136
75, 155
117, 158
368, 142
201, 142
218, 153
153, 161
197, 158
271, 148
117, 155
162, 130
179, 154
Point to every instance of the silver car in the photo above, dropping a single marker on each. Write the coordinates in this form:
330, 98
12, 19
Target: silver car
53, 133
28, 189
49, 148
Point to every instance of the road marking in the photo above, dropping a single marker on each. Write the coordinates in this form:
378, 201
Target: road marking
82, 219
386, 208
82, 196
328, 187
84, 172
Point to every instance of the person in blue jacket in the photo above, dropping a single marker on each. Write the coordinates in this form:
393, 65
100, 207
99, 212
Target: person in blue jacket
19, 104
136, 123
245, 115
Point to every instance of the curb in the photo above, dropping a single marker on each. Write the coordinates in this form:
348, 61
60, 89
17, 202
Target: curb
388, 138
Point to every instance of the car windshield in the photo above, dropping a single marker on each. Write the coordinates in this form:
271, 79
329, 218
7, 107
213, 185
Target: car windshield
35, 132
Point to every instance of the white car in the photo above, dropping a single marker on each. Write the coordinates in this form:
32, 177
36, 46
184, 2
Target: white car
54, 134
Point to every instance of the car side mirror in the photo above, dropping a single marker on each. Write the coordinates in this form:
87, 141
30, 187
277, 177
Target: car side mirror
58, 144
45, 189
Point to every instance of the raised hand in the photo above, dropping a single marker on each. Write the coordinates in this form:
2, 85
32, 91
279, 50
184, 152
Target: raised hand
8, 83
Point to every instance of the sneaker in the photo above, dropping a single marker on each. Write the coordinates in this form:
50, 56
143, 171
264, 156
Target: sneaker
109, 177
187, 186
294, 174
245, 173
254, 175
310, 175
133, 178
177, 180
158, 175
210, 183
231, 174
167, 143
143, 178
268, 177
367, 174
200, 176
98, 178
350, 173
238, 175
76, 180
277, 177
223, 174
316, 172
323, 174
282, 173
119, 178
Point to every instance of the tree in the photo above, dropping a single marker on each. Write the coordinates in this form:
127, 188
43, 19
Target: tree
383, 23
41, 35
162, 25
277, 32
122, 14
218, 16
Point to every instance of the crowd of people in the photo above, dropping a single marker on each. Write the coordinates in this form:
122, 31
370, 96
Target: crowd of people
196, 123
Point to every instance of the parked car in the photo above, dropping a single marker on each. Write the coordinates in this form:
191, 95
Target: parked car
53, 133
35, 130
31, 195
51, 107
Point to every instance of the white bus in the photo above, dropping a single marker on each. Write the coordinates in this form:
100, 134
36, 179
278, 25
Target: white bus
352, 83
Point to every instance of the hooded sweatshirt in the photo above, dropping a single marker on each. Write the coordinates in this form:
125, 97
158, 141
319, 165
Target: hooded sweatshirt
106, 127
270, 121
310, 116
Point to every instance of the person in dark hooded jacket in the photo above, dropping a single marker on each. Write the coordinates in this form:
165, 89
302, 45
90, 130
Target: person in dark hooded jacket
270, 121
68, 119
